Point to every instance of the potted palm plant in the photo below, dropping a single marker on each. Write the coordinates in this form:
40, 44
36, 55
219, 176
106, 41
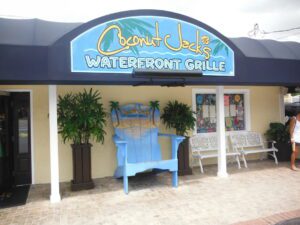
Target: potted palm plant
279, 133
180, 117
81, 119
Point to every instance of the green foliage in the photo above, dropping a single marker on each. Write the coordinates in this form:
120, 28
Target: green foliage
219, 45
178, 116
115, 106
295, 94
154, 105
81, 117
278, 132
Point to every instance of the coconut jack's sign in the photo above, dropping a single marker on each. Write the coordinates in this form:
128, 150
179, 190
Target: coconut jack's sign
150, 43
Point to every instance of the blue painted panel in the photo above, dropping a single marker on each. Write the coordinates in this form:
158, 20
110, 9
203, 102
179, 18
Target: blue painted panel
151, 43
134, 123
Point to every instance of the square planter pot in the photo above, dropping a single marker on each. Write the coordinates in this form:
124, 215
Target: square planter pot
82, 179
183, 158
284, 151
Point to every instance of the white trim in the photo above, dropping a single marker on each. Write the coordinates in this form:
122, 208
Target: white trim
31, 128
222, 165
281, 105
53, 136
245, 92
31, 139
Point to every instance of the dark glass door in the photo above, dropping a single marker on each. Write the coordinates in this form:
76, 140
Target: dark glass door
5, 144
21, 138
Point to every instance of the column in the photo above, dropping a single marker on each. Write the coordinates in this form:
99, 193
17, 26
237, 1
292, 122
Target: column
54, 168
283, 91
222, 165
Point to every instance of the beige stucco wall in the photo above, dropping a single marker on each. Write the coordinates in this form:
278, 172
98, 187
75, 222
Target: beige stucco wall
264, 106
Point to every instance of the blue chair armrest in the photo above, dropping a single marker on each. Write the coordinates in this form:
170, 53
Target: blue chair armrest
119, 140
176, 140
177, 137
121, 146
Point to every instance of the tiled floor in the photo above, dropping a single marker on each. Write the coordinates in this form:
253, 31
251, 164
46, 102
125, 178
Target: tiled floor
261, 191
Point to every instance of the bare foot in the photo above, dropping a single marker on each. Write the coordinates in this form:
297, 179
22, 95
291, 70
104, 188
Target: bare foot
294, 168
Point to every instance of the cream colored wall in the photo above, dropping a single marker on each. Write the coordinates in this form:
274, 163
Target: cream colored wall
264, 109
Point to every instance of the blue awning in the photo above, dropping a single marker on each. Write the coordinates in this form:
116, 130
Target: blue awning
27, 49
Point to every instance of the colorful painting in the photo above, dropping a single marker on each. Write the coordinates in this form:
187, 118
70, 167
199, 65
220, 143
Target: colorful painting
206, 112
135, 119
150, 43
137, 124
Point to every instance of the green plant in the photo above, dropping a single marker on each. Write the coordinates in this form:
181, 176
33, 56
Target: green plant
115, 106
154, 105
178, 116
278, 132
81, 117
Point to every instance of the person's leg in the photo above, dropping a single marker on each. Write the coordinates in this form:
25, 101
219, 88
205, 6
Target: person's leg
294, 155
297, 151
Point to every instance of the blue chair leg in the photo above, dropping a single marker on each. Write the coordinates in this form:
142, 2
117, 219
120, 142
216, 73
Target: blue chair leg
175, 179
125, 184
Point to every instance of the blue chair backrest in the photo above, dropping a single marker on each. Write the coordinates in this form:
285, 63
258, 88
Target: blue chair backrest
138, 125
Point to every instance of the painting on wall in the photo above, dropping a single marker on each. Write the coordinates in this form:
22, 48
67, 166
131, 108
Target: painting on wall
206, 112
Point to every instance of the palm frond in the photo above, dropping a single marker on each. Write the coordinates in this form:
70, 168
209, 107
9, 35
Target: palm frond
226, 50
178, 116
215, 41
81, 117
219, 46
154, 105
140, 23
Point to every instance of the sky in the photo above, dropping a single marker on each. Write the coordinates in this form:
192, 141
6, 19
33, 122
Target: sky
232, 18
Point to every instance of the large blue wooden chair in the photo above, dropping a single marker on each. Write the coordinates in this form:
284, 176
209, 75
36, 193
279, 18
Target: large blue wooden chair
136, 139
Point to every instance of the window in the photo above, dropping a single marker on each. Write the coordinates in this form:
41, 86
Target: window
236, 109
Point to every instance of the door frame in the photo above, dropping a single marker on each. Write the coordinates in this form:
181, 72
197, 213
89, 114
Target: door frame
31, 128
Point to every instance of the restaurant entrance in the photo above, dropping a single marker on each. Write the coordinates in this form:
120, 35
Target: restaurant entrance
15, 146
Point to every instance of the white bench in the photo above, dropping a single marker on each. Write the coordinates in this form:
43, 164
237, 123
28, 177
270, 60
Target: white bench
205, 146
251, 143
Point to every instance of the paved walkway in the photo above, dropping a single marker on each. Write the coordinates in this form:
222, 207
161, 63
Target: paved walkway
279, 219
247, 194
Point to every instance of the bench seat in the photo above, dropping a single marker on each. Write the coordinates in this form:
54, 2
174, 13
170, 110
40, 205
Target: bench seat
204, 146
250, 142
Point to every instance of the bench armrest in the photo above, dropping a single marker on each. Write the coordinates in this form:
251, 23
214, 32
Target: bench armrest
175, 140
121, 146
237, 148
272, 142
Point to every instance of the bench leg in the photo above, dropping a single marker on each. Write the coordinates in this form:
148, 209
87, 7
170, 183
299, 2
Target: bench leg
274, 155
261, 156
200, 165
238, 161
175, 179
244, 159
125, 184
